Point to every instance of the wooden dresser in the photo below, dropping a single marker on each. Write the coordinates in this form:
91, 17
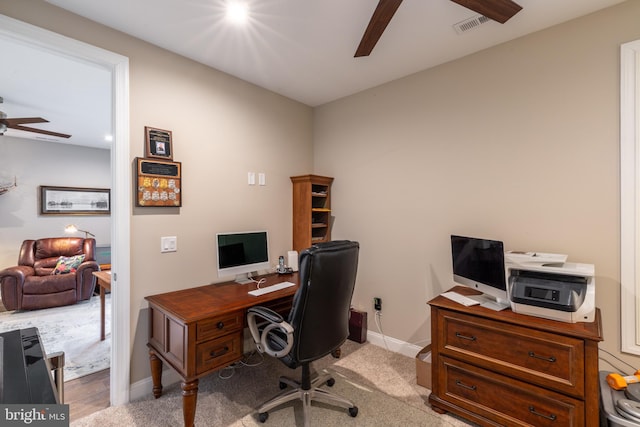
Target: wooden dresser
502, 368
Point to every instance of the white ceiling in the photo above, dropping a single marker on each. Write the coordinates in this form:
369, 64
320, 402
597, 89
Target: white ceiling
74, 96
302, 49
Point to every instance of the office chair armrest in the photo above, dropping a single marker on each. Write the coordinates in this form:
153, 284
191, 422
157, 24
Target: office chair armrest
266, 313
275, 321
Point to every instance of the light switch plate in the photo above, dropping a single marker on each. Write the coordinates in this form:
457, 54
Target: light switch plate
168, 244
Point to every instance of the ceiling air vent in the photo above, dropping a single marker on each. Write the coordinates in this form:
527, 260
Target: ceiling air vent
470, 24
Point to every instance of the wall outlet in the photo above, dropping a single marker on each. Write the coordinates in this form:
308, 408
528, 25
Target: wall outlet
377, 304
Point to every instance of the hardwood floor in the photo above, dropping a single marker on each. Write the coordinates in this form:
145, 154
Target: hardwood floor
86, 395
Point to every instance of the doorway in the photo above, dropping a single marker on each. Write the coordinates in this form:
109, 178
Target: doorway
118, 66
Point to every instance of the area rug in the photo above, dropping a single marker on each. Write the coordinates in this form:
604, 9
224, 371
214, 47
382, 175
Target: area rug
230, 398
74, 329
222, 408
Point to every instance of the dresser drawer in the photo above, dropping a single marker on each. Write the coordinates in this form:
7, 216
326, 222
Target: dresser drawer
219, 326
548, 360
504, 400
215, 354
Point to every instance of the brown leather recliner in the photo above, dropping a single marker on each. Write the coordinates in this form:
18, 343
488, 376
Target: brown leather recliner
30, 285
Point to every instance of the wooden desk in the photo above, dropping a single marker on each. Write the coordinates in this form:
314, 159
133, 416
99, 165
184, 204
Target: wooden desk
104, 282
198, 331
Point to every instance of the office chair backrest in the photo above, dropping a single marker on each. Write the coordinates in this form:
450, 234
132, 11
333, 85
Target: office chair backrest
320, 312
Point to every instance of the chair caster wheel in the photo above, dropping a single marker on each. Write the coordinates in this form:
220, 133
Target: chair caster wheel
262, 416
331, 382
282, 385
353, 411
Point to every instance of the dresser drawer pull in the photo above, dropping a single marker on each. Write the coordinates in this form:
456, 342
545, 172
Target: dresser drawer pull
534, 412
464, 337
548, 359
219, 353
463, 385
220, 325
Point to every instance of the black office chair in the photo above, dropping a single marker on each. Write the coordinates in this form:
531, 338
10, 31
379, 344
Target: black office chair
318, 324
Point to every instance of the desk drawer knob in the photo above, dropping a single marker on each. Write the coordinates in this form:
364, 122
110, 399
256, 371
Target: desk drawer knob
548, 359
220, 325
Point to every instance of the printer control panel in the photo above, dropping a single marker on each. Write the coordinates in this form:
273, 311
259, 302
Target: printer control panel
542, 294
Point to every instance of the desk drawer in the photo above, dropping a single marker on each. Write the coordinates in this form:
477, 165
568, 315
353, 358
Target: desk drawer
545, 359
219, 326
507, 401
281, 306
218, 353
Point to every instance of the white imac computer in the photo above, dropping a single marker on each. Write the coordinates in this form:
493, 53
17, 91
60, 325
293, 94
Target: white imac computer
479, 264
242, 253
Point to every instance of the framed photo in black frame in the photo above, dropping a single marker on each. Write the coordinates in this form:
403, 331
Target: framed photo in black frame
74, 201
158, 143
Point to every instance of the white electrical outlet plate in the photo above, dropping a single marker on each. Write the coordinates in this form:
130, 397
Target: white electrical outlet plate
168, 244
251, 178
262, 179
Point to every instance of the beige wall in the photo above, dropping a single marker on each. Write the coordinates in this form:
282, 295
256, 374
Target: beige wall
519, 143
222, 128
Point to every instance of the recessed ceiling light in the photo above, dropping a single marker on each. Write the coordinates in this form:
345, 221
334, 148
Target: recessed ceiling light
237, 12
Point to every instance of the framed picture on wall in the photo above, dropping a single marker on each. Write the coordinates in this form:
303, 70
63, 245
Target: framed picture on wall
158, 183
74, 201
158, 143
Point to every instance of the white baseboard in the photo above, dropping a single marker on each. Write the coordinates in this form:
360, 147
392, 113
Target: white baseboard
393, 344
144, 387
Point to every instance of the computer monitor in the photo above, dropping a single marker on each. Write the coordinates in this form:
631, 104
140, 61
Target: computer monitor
479, 264
241, 253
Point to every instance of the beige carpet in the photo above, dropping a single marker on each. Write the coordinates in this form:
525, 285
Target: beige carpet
381, 383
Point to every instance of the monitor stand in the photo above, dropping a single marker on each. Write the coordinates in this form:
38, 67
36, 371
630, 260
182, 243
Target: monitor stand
490, 302
243, 278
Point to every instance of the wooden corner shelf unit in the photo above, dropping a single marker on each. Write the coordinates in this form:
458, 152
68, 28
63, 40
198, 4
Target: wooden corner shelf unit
311, 210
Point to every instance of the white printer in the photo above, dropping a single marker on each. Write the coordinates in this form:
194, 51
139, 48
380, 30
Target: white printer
545, 285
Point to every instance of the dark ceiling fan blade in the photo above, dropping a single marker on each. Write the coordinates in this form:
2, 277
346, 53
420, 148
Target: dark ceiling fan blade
498, 10
23, 120
379, 21
45, 132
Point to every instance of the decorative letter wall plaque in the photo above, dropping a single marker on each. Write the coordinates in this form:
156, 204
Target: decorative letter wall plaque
159, 183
